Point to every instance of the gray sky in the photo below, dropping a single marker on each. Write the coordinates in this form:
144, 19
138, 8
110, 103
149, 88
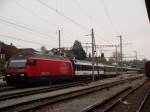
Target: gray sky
30, 23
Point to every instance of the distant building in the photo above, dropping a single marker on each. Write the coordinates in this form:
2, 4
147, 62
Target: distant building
7, 51
63, 52
68, 53
2, 53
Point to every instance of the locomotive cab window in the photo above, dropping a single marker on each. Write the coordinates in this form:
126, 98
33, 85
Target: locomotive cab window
17, 63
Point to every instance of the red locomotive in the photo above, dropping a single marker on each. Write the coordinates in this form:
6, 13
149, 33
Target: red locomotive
36, 68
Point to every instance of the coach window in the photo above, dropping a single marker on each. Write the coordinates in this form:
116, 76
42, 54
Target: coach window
86, 67
81, 67
78, 67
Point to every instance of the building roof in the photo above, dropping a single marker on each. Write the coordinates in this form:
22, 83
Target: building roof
27, 50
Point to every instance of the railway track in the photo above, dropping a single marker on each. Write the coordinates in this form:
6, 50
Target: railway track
144, 106
120, 99
31, 102
103, 106
3, 85
35, 90
6, 88
130, 99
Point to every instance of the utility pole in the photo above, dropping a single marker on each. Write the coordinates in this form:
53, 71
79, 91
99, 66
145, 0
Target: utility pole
121, 48
116, 54
59, 40
116, 59
121, 53
92, 34
121, 56
136, 58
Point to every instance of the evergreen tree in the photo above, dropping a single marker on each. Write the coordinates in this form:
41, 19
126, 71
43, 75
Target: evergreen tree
78, 50
43, 49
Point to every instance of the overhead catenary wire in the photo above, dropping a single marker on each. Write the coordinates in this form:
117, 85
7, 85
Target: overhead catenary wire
68, 18
27, 41
9, 21
111, 22
89, 16
33, 13
24, 27
96, 34
63, 15
108, 16
30, 11
42, 19
84, 11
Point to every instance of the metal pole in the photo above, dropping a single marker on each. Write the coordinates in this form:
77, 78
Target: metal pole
116, 60
59, 39
93, 77
121, 53
86, 49
136, 58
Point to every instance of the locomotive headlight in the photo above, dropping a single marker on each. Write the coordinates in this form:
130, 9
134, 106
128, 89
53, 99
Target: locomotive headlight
8, 75
21, 74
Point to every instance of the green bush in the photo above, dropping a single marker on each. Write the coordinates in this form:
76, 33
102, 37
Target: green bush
1, 74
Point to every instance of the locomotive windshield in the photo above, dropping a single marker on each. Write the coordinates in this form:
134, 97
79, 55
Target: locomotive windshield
17, 63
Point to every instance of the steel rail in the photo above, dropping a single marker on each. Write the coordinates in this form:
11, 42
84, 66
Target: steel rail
99, 104
123, 97
32, 104
29, 91
41, 90
143, 102
2, 84
7, 88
